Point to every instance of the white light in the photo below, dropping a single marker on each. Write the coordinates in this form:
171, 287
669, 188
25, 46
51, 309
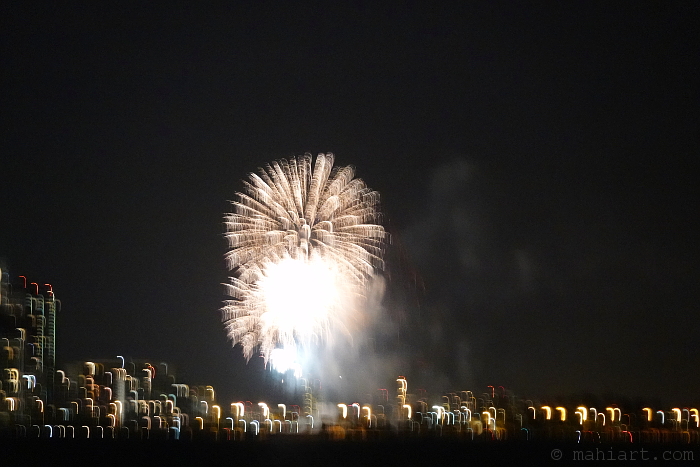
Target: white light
304, 244
283, 360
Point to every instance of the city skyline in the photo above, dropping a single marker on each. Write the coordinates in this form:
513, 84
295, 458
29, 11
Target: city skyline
536, 170
129, 399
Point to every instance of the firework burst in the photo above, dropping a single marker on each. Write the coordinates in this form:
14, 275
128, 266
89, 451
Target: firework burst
303, 244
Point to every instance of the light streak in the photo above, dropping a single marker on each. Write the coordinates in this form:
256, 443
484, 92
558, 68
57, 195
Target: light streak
357, 410
240, 408
265, 409
562, 412
584, 413
369, 414
612, 411
441, 412
31, 381
548, 410
503, 413
488, 419
468, 413
304, 243
677, 411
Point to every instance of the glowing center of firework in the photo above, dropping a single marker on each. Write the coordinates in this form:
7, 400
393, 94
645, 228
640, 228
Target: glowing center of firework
303, 243
300, 297
283, 360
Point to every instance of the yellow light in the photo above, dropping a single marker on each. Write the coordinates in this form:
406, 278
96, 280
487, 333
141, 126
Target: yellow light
240, 408
264, 408
548, 410
612, 411
369, 414
584, 413
562, 412
408, 408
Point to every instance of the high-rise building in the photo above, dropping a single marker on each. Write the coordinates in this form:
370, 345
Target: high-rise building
27, 347
100, 398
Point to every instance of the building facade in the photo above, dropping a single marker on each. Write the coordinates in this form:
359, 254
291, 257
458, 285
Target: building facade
27, 349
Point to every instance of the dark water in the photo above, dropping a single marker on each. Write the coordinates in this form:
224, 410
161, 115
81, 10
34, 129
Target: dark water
313, 451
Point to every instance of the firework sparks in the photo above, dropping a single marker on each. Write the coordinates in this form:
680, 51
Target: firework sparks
303, 244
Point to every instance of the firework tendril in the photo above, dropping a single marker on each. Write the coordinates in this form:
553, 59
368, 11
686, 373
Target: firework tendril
304, 242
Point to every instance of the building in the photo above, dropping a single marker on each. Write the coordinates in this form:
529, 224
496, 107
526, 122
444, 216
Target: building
27, 349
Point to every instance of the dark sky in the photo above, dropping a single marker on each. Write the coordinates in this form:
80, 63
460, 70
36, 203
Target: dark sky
536, 166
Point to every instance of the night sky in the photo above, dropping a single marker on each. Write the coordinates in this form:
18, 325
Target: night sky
536, 165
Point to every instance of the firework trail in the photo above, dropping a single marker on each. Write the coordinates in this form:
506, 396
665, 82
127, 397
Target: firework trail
303, 244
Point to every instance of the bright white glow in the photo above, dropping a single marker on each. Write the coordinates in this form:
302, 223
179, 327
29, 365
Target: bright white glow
303, 299
283, 360
303, 246
409, 411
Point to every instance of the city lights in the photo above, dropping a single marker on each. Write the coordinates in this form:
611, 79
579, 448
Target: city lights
305, 244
